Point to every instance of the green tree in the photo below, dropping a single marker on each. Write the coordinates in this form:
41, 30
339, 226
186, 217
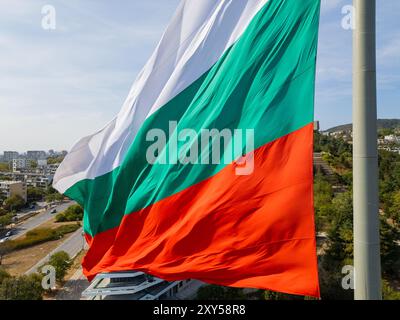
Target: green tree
6, 220
55, 160
73, 213
33, 164
34, 194
4, 167
54, 197
21, 288
390, 251
385, 132
14, 203
388, 293
393, 208
61, 262
323, 196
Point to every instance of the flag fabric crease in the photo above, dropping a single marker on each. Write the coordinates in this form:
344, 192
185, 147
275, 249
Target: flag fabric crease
224, 65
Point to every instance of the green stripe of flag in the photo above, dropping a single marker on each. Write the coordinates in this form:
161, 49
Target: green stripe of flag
263, 82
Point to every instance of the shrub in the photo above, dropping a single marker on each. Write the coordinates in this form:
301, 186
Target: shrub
21, 288
35, 237
61, 262
73, 213
6, 220
68, 228
388, 293
14, 203
40, 235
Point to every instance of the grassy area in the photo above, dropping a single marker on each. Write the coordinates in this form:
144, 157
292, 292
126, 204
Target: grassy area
41, 235
19, 261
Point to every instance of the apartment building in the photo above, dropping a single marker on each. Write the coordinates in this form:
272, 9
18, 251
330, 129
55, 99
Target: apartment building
20, 164
12, 188
10, 155
35, 155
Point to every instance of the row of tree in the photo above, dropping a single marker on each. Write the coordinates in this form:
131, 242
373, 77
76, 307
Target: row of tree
334, 217
30, 287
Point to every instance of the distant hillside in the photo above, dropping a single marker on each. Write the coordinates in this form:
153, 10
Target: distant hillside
382, 124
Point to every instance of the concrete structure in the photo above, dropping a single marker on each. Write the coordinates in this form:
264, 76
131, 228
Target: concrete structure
20, 164
51, 169
367, 267
139, 286
392, 138
31, 179
36, 155
316, 126
10, 155
38, 180
42, 163
13, 188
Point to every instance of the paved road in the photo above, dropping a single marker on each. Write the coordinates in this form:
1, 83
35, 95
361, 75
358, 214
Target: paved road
73, 288
37, 220
73, 245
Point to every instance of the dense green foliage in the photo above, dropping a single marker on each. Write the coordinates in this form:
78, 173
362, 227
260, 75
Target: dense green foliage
73, 213
5, 219
21, 288
334, 216
385, 124
54, 197
55, 160
35, 194
37, 236
14, 203
61, 262
4, 167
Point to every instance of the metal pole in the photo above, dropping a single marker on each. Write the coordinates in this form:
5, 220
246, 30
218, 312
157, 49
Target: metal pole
367, 267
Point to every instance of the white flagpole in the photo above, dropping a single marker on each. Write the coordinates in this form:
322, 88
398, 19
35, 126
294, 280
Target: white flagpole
367, 268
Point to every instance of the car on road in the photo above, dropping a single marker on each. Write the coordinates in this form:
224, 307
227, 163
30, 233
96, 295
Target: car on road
9, 233
53, 211
4, 239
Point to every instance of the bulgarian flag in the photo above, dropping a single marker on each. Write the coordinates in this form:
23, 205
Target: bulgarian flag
157, 200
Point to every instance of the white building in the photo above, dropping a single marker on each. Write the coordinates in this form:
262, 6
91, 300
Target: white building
18, 164
52, 168
38, 180
139, 286
10, 155
392, 138
42, 163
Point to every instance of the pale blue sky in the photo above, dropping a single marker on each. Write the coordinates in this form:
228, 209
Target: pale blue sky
57, 86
